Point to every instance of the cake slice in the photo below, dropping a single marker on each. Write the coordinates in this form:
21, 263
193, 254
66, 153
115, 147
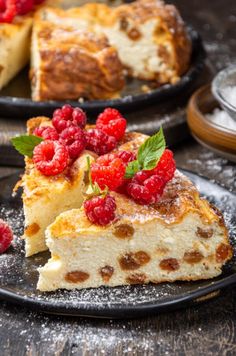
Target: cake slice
44, 198
15, 41
14, 47
182, 237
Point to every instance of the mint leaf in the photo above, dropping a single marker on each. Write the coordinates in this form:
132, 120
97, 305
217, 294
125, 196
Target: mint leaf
25, 144
148, 154
132, 168
151, 151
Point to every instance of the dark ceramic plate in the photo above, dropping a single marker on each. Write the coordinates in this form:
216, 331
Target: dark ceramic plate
19, 275
15, 99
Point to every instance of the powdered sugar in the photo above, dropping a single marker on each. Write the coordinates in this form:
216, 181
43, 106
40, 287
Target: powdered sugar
229, 94
222, 118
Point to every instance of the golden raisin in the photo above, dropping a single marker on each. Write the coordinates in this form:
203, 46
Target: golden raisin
223, 252
132, 261
134, 34
205, 233
193, 257
76, 276
169, 264
136, 278
106, 273
32, 229
123, 231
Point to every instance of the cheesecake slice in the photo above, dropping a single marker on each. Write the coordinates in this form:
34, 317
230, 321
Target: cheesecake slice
146, 38
14, 47
182, 237
15, 42
44, 198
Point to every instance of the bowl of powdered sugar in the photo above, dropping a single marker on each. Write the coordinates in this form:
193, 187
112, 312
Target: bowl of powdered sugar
224, 90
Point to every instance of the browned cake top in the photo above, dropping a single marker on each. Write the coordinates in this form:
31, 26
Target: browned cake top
180, 198
76, 63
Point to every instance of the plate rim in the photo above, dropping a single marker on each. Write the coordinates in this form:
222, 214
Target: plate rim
164, 91
118, 311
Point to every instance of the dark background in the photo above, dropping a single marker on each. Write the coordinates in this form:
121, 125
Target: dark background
204, 329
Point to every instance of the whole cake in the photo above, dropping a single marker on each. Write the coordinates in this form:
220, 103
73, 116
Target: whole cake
119, 211
146, 39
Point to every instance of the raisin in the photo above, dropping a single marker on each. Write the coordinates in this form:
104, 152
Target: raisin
132, 261
32, 229
106, 273
193, 257
169, 264
136, 278
76, 276
223, 252
123, 231
205, 233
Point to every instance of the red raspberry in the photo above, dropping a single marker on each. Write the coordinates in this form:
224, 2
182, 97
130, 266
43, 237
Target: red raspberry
112, 122
108, 170
6, 236
37, 2
166, 166
73, 137
47, 133
99, 142
8, 11
50, 157
100, 210
68, 116
126, 156
24, 6
144, 189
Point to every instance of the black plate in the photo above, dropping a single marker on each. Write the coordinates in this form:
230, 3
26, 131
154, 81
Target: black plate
15, 99
19, 275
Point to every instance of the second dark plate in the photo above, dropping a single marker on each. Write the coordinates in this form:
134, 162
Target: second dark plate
15, 99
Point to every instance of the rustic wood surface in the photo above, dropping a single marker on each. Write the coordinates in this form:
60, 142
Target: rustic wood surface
205, 329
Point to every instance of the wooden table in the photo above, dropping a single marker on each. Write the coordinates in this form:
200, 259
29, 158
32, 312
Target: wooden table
206, 329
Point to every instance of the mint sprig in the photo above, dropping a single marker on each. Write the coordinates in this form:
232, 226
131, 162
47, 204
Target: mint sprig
25, 144
149, 154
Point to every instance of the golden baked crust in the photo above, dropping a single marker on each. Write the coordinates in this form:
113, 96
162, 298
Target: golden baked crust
148, 37
180, 197
74, 64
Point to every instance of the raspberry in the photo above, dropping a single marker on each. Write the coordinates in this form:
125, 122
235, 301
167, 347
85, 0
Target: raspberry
111, 122
68, 116
166, 166
24, 6
50, 157
99, 142
47, 133
73, 137
126, 156
6, 236
108, 170
100, 210
79, 117
37, 2
144, 189
8, 11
